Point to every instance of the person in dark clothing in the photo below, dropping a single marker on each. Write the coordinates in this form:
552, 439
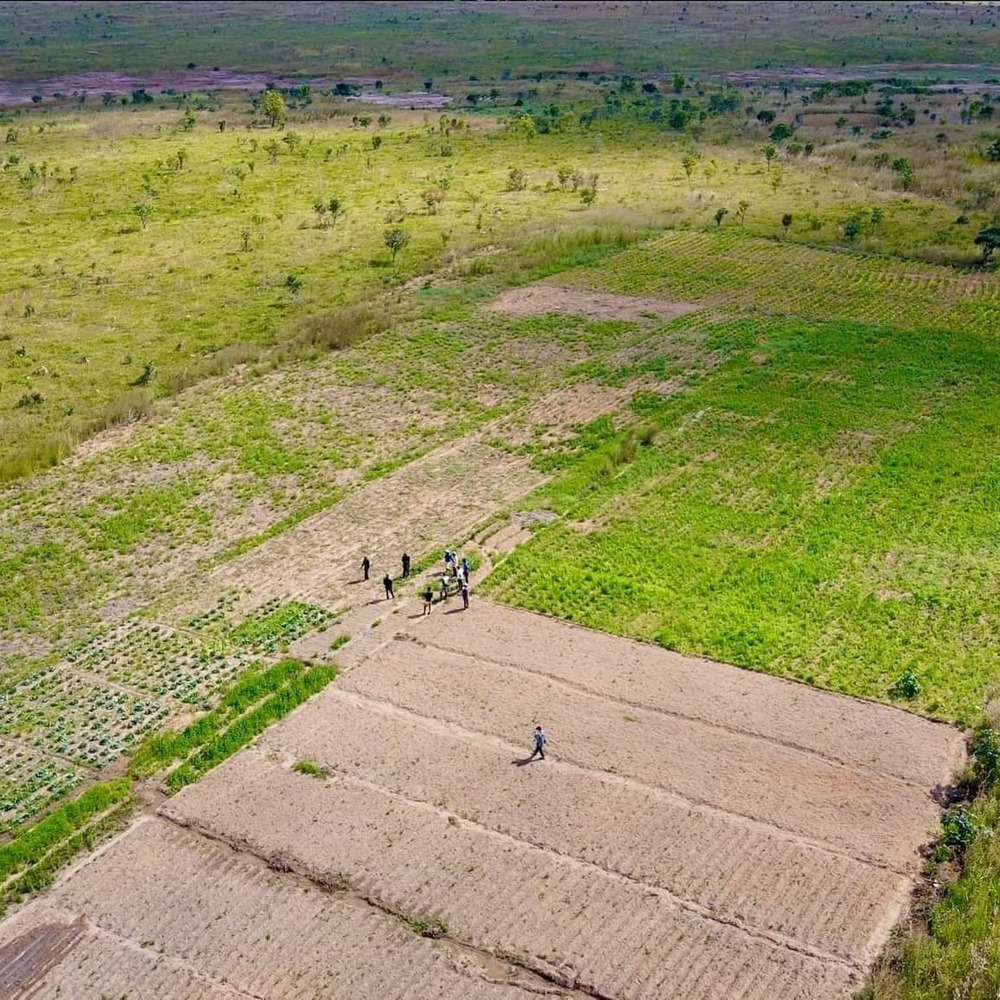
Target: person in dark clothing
406, 565
465, 594
428, 596
365, 566
387, 583
540, 741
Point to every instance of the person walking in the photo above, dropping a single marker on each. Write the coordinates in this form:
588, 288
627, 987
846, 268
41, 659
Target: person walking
465, 594
466, 568
444, 586
365, 566
387, 583
540, 740
428, 596
406, 564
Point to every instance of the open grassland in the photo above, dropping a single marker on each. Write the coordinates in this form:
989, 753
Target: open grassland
149, 249
413, 41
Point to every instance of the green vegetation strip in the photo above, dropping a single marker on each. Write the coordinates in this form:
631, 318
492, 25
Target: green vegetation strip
251, 725
25, 849
30, 861
163, 749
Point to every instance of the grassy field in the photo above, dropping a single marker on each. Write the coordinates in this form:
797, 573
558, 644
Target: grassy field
413, 41
149, 248
799, 475
817, 504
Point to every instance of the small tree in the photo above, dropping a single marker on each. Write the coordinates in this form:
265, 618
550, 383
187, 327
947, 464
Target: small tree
564, 174
319, 207
688, 162
852, 229
432, 198
678, 83
781, 131
395, 240
989, 240
143, 210
770, 152
720, 214
517, 179
741, 211
786, 222
334, 207
272, 148
766, 117
993, 152
273, 106
588, 195
902, 166
384, 120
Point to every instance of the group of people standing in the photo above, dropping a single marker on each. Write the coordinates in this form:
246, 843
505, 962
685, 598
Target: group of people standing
458, 571
455, 570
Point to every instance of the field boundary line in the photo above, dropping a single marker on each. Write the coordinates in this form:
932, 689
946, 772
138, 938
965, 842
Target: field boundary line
697, 720
674, 798
176, 961
698, 910
282, 864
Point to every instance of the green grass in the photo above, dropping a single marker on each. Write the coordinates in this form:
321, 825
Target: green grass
310, 768
461, 44
30, 860
163, 749
824, 514
30, 844
249, 726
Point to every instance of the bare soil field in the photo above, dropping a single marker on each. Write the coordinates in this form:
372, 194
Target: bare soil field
540, 298
695, 831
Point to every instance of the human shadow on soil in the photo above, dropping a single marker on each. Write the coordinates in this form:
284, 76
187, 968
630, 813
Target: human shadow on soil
525, 761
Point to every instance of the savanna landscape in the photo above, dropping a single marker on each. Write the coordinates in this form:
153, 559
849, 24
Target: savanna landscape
678, 320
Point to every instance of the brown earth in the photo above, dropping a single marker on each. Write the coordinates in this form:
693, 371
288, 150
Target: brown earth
541, 299
695, 831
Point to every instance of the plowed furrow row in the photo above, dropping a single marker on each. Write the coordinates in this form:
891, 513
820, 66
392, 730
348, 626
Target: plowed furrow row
265, 934
862, 734
557, 915
742, 871
854, 812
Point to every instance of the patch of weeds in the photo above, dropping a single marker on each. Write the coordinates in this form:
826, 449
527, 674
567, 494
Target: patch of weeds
908, 686
308, 767
342, 640
433, 928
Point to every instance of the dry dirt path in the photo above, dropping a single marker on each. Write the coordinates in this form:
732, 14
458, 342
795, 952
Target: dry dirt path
428, 503
695, 832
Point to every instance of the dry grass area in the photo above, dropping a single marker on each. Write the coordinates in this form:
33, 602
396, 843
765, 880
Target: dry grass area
771, 841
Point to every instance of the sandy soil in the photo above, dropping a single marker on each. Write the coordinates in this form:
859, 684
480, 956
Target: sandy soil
541, 299
223, 926
694, 832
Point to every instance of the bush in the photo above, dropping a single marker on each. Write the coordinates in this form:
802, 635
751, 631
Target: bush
908, 686
342, 328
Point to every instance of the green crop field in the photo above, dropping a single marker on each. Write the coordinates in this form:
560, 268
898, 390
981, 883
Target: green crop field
762, 401
818, 503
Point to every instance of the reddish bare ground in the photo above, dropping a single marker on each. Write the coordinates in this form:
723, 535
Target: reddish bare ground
694, 832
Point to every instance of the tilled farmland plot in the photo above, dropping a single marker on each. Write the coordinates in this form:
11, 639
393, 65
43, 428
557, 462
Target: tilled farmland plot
694, 831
